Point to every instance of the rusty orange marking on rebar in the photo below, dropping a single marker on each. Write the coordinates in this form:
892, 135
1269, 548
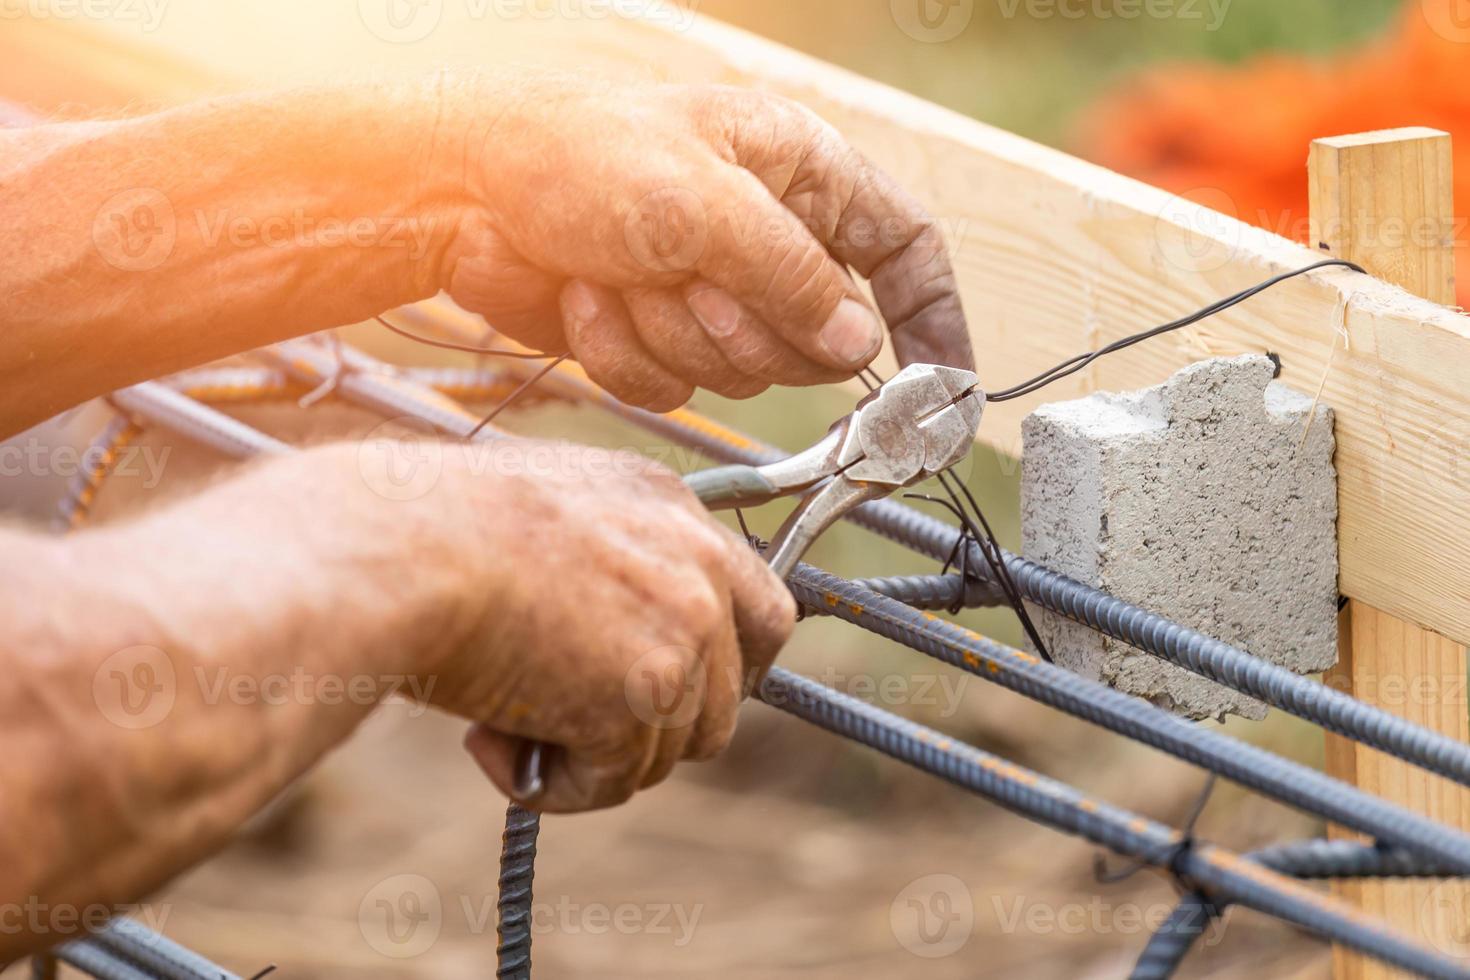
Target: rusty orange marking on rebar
709, 427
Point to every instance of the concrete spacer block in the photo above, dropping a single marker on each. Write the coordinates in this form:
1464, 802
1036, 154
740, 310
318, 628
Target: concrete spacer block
1207, 499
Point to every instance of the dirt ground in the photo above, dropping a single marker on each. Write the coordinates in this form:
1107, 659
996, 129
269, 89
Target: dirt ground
794, 854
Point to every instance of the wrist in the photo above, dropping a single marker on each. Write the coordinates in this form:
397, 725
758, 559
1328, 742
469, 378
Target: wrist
417, 499
466, 139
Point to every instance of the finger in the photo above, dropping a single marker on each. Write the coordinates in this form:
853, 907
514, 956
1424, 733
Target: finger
724, 689
905, 258
860, 215
671, 334
602, 337
748, 343
761, 253
495, 754
576, 781
518, 299
765, 612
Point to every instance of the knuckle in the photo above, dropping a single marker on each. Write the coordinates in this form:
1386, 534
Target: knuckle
702, 608
714, 741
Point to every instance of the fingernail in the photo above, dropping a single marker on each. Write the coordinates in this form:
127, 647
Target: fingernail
716, 310
851, 335
579, 302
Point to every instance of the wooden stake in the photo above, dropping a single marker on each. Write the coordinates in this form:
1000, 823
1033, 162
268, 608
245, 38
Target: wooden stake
1384, 200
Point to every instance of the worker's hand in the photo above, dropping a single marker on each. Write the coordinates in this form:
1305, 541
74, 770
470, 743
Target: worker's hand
676, 236
612, 618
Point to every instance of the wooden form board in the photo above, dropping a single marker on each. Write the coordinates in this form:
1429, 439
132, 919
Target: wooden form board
1054, 256
1385, 201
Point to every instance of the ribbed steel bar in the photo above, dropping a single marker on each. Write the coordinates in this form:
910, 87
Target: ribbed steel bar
1171, 942
1226, 876
517, 870
162, 405
1192, 917
934, 592
1320, 858
1190, 649
98, 962
98, 458
373, 385
1290, 782
154, 953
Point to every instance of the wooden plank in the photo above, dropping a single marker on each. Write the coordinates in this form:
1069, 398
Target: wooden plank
1385, 201
1054, 256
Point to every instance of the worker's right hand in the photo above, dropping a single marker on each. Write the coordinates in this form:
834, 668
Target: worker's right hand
608, 615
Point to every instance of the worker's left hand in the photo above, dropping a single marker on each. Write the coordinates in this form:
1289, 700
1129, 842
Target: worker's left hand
675, 236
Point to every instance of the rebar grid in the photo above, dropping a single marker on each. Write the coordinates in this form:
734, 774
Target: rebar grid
1221, 878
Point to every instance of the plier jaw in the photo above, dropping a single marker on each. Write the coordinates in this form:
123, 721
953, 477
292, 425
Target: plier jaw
920, 422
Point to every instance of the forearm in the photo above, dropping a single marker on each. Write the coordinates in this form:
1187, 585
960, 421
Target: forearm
164, 241
167, 678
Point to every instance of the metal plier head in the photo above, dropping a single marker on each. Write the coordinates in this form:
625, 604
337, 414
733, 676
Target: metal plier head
921, 421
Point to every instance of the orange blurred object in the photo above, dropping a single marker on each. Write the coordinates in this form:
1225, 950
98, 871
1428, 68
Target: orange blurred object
1238, 135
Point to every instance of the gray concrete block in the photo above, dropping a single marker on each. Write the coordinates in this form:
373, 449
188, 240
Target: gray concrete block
1197, 499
